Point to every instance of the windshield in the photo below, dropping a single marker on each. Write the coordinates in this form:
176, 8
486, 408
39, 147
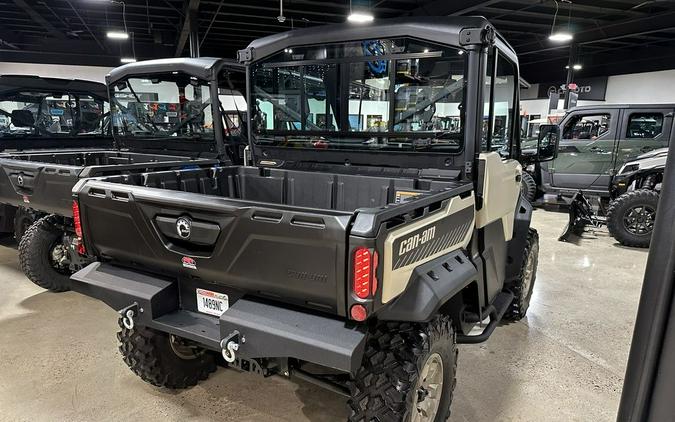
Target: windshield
41, 114
390, 94
174, 106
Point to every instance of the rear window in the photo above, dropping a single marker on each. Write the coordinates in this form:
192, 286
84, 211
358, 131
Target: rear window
388, 94
644, 125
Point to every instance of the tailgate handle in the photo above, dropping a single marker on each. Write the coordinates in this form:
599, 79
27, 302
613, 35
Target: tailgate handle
187, 230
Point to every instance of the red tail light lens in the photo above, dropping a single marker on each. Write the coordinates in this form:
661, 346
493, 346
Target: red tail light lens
362, 272
78, 228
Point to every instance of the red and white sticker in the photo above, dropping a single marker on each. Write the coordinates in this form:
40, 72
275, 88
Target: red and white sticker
189, 263
26, 199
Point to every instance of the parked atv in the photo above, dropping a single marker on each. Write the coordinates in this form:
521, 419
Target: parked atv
359, 249
162, 115
47, 115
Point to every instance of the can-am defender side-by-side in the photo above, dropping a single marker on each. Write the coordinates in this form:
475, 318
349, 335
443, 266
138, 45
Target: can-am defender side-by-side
162, 114
48, 114
634, 194
371, 235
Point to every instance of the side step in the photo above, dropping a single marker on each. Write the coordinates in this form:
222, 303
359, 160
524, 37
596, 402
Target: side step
498, 309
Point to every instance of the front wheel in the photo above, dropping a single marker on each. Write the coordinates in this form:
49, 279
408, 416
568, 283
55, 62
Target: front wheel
528, 186
630, 217
523, 286
408, 373
44, 257
164, 360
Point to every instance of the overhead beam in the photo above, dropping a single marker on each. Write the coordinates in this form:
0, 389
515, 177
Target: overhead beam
450, 8
39, 19
192, 7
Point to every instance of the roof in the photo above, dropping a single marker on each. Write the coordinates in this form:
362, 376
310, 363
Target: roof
15, 83
201, 67
441, 29
620, 106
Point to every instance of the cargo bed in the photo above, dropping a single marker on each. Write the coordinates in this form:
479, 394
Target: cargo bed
273, 233
43, 181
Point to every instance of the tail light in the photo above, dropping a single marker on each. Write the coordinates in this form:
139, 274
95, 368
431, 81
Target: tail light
77, 222
363, 273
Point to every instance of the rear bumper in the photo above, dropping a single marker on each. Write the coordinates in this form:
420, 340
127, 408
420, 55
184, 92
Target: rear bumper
269, 331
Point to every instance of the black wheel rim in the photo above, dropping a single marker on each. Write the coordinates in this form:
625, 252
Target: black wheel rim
639, 220
58, 258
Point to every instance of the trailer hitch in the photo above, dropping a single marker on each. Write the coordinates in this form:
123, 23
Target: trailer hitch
230, 345
127, 315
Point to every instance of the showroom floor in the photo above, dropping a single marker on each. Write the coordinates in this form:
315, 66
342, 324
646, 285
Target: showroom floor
565, 362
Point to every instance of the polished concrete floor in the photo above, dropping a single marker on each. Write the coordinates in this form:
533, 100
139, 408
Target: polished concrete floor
564, 362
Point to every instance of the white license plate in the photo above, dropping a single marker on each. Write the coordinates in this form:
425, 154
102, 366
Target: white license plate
212, 303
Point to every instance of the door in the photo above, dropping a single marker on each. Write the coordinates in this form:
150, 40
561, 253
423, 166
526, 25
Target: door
642, 131
586, 151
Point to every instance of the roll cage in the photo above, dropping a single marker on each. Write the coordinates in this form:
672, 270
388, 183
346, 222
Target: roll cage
475, 36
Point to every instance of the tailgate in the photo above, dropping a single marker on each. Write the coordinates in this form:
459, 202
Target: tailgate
38, 185
286, 253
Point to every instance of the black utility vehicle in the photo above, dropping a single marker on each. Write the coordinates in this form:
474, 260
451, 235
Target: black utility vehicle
162, 116
371, 235
47, 114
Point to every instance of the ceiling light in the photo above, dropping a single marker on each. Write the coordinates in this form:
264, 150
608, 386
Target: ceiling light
575, 67
360, 17
128, 60
560, 36
117, 35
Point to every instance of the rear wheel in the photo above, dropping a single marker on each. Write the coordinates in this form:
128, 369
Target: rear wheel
407, 374
523, 286
44, 257
630, 217
528, 187
164, 360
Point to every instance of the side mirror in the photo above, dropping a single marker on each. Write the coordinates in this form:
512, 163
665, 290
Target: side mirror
547, 142
23, 118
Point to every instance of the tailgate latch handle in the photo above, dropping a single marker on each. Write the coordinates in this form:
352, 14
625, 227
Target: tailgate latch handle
127, 315
230, 345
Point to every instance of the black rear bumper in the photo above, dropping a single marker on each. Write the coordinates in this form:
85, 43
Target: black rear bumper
269, 331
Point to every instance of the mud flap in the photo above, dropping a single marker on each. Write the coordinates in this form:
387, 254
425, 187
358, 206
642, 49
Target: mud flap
580, 215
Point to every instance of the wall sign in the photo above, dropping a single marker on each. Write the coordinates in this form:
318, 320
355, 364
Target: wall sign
587, 88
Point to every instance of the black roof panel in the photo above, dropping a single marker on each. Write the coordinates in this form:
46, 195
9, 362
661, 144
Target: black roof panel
441, 29
202, 67
16, 83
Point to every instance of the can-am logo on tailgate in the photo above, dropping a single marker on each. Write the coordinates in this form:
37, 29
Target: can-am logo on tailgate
417, 240
184, 227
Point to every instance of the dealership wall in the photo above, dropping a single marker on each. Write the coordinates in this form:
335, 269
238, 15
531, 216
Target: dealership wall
635, 88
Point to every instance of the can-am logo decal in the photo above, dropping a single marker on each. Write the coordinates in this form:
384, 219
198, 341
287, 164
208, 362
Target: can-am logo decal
417, 246
184, 227
19, 180
189, 263
417, 240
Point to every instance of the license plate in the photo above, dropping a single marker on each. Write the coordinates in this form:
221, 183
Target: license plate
212, 303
